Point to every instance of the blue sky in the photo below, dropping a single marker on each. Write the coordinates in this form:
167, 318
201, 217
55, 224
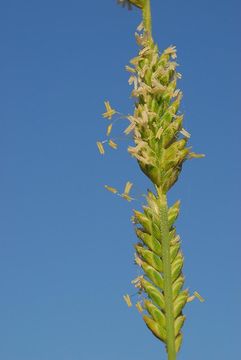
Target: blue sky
66, 244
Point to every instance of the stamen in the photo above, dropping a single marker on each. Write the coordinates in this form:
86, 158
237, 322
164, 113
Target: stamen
128, 187
109, 111
109, 130
100, 147
128, 300
112, 144
111, 189
139, 307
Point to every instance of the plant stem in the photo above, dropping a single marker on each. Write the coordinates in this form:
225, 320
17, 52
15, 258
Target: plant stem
147, 17
167, 274
167, 270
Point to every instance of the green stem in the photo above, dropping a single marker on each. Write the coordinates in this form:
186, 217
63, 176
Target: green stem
167, 274
147, 16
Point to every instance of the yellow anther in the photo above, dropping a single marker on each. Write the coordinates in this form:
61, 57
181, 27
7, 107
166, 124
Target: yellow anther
159, 132
198, 296
139, 307
128, 187
100, 147
194, 296
109, 130
127, 300
112, 144
138, 261
109, 111
129, 129
127, 197
130, 69
111, 189
140, 27
185, 133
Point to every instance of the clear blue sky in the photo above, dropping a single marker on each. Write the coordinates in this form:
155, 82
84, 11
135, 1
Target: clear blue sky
66, 244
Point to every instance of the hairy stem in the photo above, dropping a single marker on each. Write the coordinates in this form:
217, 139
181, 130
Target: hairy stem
147, 17
167, 273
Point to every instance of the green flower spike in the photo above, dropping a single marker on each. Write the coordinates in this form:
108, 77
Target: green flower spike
160, 148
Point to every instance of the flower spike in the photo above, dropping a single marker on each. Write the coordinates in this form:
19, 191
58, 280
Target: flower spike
160, 147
